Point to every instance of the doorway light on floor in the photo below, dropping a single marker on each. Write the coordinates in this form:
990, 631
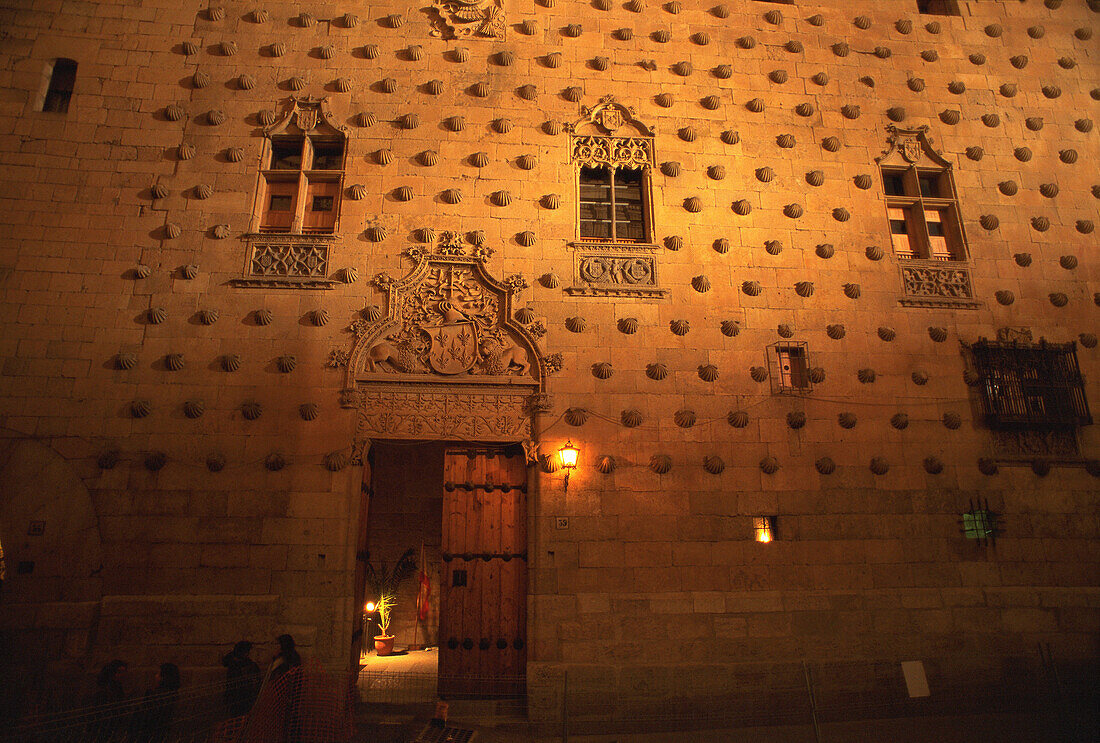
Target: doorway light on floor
763, 528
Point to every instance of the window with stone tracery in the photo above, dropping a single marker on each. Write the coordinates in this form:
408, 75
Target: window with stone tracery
613, 189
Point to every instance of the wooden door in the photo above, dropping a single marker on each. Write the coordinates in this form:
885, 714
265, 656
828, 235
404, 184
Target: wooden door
483, 605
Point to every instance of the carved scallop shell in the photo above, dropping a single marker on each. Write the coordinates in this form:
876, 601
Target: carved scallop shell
900, 421
573, 30
376, 233
660, 463
866, 376
504, 58
830, 144
975, 153
952, 421
722, 72
1051, 91
742, 207
1083, 125
575, 324
758, 373
628, 325
408, 121
286, 363
708, 372
815, 178
796, 419
1040, 224
991, 120
656, 371
804, 109
693, 204
773, 247
451, 196
526, 238
140, 408
1068, 262
674, 242
1004, 297
527, 92
1058, 299
550, 280
751, 288
756, 105
846, 420
937, 334
836, 331
738, 418
879, 465
550, 201
605, 464
1084, 226
773, 17
778, 76
208, 316
721, 245
576, 416
684, 418
631, 418
679, 327
825, 250
1088, 340
1023, 259
886, 334
769, 465
157, 315
125, 361
710, 102
1069, 156
714, 464
794, 211
525, 315
1034, 123
851, 291
500, 198
841, 49
804, 289
194, 408
729, 328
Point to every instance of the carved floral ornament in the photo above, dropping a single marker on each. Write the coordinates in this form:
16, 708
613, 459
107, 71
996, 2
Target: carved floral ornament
910, 146
608, 134
449, 322
456, 19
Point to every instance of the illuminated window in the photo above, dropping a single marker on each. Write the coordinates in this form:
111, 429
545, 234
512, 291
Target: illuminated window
938, 7
301, 185
979, 523
923, 214
59, 91
763, 528
612, 204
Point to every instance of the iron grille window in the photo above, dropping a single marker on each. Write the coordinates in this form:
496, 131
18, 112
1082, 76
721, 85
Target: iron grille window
979, 523
612, 204
1030, 386
789, 364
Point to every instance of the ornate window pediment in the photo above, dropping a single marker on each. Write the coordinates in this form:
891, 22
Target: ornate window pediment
906, 147
306, 115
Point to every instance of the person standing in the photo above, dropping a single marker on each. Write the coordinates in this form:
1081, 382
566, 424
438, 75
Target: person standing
242, 679
107, 718
153, 717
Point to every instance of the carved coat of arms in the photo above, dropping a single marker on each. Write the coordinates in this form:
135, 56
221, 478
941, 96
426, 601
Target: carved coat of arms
454, 347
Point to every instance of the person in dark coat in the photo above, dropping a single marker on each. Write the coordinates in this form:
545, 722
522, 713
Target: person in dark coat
107, 720
153, 717
242, 679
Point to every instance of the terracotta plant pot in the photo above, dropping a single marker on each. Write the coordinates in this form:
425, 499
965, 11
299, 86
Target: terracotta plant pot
383, 644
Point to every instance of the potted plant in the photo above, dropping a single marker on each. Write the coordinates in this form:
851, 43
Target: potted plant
384, 581
383, 643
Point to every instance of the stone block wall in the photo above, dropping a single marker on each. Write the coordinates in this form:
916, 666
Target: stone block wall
654, 570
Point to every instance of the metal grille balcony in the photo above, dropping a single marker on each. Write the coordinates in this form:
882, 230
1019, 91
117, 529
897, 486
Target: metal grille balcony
1030, 386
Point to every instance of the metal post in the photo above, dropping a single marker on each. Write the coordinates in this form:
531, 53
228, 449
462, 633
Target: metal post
564, 708
813, 700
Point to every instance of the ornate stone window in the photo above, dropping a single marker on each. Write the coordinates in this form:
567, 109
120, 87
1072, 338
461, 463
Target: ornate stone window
59, 89
614, 254
297, 206
926, 229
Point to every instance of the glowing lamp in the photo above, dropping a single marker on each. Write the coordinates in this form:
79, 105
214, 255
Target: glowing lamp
369, 607
568, 457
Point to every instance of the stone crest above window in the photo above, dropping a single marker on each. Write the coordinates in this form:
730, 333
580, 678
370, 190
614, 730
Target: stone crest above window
457, 19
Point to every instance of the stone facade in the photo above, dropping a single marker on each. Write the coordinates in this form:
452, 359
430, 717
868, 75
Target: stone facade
191, 401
